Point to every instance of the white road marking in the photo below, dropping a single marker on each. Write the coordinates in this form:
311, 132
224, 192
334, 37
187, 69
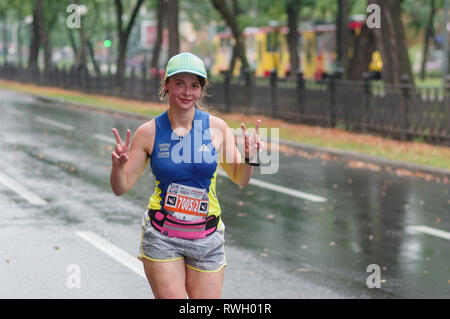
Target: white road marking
54, 123
430, 231
105, 138
113, 251
15, 112
281, 189
22, 191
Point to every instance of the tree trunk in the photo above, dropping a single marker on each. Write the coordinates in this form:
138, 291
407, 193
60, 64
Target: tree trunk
342, 34
363, 48
292, 10
428, 35
92, 55
159, 36
43, 36
234, 57
5, 39
230, 20
172, 21
123, 35
390, 39
81, 54
34, 44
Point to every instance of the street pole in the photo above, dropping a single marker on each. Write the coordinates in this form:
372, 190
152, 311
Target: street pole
446, 44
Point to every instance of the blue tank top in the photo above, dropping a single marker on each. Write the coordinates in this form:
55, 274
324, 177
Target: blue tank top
190, 160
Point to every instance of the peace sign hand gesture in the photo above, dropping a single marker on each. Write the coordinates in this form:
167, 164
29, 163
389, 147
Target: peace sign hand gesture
120, 155
252, 144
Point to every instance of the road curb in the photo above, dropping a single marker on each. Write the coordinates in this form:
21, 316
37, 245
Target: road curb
382, 162
340, 154
88, 107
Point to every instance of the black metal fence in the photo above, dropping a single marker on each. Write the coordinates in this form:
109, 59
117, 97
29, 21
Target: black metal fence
403, 111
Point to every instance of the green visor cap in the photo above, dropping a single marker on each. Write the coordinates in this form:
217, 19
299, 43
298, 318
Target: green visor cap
185, 63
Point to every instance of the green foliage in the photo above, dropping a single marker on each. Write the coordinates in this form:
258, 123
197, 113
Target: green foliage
100, 22
417, 13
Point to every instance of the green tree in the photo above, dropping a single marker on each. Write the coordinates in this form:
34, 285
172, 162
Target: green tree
230, 18
123, 32
391, 41
172, 22
342, 34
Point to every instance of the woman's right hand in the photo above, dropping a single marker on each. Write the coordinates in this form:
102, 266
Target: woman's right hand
120, 155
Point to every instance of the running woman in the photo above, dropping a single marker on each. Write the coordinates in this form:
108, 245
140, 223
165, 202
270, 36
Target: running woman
182, 244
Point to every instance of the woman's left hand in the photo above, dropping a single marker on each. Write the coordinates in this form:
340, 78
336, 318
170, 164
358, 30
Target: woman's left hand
252, 144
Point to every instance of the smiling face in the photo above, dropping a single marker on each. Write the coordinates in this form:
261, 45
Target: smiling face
184, 90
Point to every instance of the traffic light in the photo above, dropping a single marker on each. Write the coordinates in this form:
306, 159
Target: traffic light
107, 43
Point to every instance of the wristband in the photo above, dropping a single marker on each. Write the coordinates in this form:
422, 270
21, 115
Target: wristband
247, 161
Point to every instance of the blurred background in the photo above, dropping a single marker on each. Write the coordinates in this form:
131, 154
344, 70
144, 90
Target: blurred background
357, 90
338, 63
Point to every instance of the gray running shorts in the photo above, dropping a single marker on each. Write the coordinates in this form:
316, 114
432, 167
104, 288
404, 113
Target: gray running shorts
204, 255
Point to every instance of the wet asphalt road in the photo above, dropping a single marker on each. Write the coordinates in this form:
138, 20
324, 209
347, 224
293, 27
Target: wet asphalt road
277, 245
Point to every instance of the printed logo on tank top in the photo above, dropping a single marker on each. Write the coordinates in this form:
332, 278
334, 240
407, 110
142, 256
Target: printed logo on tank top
164, 150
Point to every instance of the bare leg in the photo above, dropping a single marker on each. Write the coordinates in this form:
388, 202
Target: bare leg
202, 285
166, 278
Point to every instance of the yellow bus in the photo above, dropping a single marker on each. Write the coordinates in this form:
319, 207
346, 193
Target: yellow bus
267, 50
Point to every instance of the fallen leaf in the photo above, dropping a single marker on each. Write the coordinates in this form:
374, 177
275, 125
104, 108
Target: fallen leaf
303, 269
55, 247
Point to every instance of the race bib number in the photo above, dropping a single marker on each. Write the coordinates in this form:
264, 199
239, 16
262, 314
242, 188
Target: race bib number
186, 200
